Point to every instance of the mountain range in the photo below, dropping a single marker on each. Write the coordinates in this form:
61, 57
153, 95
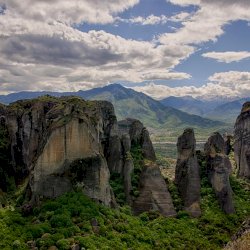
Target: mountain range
219, 110
129, 103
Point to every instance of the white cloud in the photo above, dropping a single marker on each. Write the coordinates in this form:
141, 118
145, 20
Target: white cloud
184, 2
153, 20
228, 57
232, 79
69, 12
229, 84
159, 75
207, 23
40, 49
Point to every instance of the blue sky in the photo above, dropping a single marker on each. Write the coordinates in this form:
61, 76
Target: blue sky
160, 47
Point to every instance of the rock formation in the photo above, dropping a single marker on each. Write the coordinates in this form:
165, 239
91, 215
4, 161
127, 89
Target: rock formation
63, 143
242, 142
187, 176
228, 144
218, 169
138, 135
49, 135
153, 191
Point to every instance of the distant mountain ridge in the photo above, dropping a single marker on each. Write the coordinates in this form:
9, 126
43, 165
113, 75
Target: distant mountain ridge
227, 112
220, 110
129, 103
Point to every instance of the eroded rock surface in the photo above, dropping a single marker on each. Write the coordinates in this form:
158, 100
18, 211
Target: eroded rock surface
138, 135
242, 142
187, 173
64, 143
49, 134
218, 169
153, 193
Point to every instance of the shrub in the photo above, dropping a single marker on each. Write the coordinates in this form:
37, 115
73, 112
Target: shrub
61, 220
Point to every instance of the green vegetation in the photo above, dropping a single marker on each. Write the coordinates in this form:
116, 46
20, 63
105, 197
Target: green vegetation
116, 182
68, 219
136, 153
76, 219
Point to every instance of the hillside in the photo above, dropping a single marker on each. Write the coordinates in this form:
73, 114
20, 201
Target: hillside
129, 103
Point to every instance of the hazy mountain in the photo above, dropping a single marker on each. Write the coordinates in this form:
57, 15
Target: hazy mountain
129, 103
186, 104
220, 110
227, 112
191, 105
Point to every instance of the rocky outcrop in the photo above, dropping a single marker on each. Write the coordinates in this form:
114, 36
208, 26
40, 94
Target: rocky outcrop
138, 135
187, 176
218, 168
49, 135
152, 190
153, 193
63, 143
242, 142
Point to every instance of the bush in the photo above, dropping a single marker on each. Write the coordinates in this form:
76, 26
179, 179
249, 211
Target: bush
63, 244
61, 220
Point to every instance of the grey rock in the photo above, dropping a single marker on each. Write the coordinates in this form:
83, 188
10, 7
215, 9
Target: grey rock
153, 193
242, 142
218, 170
49, 134
187, 173
127, 172
114, 155
147, 146
139, 135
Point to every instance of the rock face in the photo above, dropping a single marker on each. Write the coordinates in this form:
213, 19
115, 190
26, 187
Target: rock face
138, 135
228, 144
154, 194
218, 170
49, 135
63, 143
187, 176
242, 142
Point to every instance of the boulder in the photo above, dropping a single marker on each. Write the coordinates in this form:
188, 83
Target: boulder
187, 173
218, 168
242, 142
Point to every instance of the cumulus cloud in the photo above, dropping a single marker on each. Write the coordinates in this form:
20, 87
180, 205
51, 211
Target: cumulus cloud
229, 84
154, 20
70, 12
184, 2
207, 23
228, 57
165, 75
41, 47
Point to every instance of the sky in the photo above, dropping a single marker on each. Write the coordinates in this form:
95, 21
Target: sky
198, 48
